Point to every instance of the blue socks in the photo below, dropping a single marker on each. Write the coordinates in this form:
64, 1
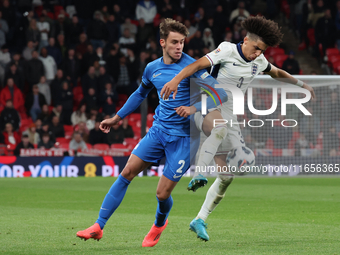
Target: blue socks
112, 200
163, 210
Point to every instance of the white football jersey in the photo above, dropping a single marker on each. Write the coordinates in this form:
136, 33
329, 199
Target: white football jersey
235, 68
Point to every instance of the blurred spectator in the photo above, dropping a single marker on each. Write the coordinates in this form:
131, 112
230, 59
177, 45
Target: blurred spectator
12, 92
82, 43
208, 39
45, 128
128, 74
128, 25
291, 65
27, 52
58, 111
45, 115
337, 23
310, 126
146, 10
96, 31
331, 112
113, 29
143, 34
50, 65
3, 24
5, 56
56, 127
45, 142
315, 12
301, 143
44, 89
9, 115
100, 57
166, 9
127, 129
105, 13
89, 57
83, 131
24, 144
196, 43
240, 13
325, 32
10, 136
90, 123
8, 13
44, 29
221, 22
200, 19
32, 133
112, 63
118, 13
79, 115
35, 69
17, 75
34, 103
38, 125
77, 142
108, 99
192, 30
2, 37
330, 141
126, 42
71, 67
33, 33
2, 139
66, 100
89, 80
73, 31
56, 85
103, 78
116, 135
61, 45
90, 99
96, 135
18, 61
61, 24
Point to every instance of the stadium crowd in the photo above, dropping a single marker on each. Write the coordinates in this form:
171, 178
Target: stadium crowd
67, 64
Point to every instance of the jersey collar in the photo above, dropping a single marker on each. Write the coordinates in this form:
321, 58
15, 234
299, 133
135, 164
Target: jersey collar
240, 52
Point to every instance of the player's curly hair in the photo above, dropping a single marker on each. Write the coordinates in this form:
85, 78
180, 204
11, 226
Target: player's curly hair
170, 25
266, 30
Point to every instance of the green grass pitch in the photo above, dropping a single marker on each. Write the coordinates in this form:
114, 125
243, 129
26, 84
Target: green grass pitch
257, 216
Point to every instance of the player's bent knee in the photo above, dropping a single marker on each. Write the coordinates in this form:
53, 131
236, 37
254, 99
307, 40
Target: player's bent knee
128, 173
163, 195
220, 131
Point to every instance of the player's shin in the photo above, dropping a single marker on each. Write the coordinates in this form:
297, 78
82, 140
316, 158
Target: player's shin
211, 144
215, 194
112, 200
163, 210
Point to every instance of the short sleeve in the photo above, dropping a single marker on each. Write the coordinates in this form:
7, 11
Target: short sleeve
146, 77
221, 54
265, 65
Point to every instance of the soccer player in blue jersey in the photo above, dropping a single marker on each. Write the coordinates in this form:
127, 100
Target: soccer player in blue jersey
169, 135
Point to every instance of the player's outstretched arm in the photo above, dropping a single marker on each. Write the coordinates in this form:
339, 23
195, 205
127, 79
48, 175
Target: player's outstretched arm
189, 70
280, 74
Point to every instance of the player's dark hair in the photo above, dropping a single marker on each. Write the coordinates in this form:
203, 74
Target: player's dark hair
170, 25
268, 31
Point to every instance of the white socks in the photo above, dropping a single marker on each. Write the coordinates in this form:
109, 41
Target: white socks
215, 194
210, 145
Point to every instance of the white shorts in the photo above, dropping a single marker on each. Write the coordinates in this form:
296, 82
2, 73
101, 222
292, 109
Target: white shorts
234, 137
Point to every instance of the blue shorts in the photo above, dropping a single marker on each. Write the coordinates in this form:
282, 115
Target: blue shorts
157, 145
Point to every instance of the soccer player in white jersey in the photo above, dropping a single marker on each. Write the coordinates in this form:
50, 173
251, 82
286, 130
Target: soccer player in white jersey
240, 63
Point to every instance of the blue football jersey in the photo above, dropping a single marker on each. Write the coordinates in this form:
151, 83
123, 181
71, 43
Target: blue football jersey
158, 74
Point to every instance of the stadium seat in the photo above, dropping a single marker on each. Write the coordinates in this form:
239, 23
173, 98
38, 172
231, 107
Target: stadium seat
64, 146
62, 140
130, 143
118, 146
279, 59
89, 146
311, 36
276, 51
10, 149
332, 51
332, 59
336, 67
77, 95
101, 146
68, 129
135, 116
